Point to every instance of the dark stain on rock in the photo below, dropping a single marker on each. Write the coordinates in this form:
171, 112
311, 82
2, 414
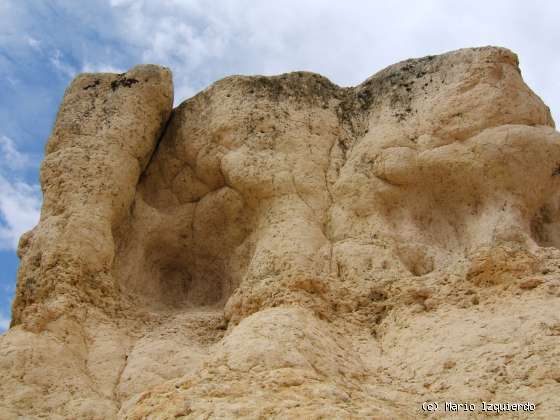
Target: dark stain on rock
95, 83
122, 82
299, 86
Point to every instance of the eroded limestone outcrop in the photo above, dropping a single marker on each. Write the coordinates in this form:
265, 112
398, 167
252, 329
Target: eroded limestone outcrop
281, 247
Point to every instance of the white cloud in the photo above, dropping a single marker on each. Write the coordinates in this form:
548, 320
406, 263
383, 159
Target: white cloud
33, 43
20, 202
10, 157
181, 35
118, 3
101, 68
57, 61
4, 324
348, 41
20, 205
345, 41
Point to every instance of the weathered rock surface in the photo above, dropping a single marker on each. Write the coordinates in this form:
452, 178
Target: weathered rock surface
281, 247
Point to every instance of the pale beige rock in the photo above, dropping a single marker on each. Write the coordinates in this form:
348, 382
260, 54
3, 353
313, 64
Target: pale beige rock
292, 249
65, 353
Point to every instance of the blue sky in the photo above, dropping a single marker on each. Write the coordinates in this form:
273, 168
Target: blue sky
44, 44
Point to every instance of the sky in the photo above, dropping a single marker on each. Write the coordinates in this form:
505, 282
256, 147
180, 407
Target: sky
44, 44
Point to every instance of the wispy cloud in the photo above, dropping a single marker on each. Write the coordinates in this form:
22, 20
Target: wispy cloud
20, 205
20, 201
61, 65
4, 323
10, 156
101, 68
32, 42
345, 42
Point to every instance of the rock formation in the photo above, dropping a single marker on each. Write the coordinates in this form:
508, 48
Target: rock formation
281, 247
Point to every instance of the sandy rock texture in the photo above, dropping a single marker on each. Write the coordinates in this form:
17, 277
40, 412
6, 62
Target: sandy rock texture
282, 247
